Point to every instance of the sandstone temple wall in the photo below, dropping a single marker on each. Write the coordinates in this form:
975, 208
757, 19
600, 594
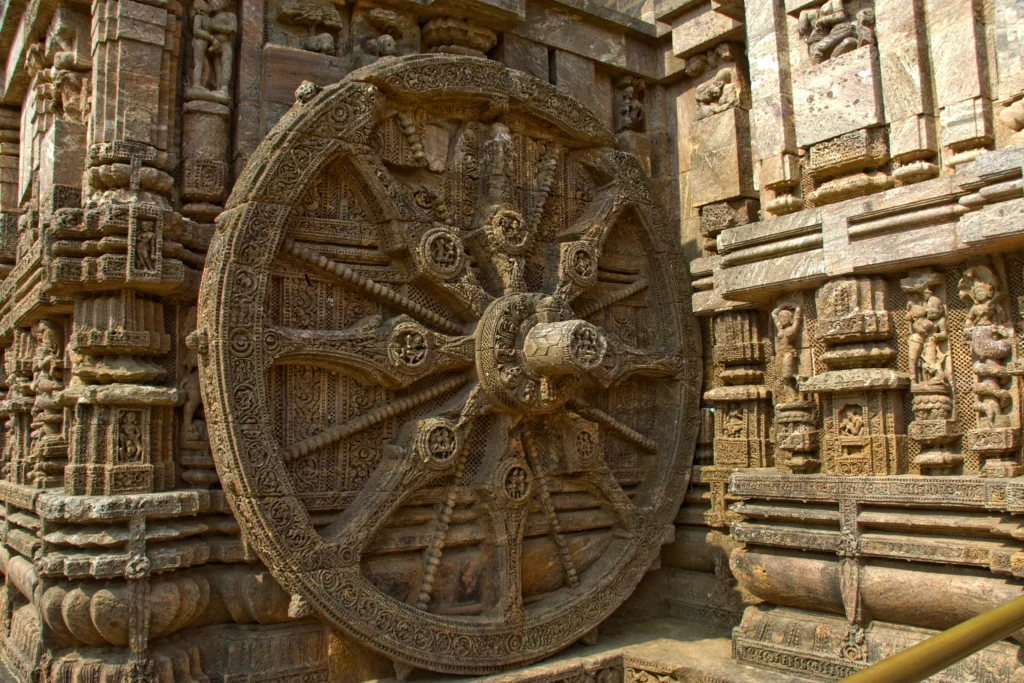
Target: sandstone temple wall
844, 178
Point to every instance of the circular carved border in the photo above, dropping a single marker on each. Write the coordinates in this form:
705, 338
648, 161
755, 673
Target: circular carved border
338, 121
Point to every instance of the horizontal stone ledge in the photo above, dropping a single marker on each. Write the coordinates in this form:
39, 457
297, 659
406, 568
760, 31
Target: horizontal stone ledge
857, 379
909, 490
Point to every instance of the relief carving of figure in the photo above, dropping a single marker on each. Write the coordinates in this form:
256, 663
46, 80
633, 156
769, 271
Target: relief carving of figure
321, 19
986, 330
389, 25
61, 68
629, 107
852, 420
718, 94
734, 420
979, 284
145, 246
788, 321
213, 36
47, 415
130, 447
193, 426
830, 31
928, 353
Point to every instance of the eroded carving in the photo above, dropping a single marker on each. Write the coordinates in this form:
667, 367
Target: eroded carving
830, 30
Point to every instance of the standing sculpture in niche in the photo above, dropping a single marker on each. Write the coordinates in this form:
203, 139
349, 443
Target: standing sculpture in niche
213, 36
788, 322
930, 366
48, 447
927, 351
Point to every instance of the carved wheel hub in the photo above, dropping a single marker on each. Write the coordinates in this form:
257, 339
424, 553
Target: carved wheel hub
450, 384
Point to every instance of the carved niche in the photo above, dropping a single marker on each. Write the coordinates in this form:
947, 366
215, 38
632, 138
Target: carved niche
449, 381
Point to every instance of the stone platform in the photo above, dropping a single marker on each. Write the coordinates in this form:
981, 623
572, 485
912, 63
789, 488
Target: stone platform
657, 651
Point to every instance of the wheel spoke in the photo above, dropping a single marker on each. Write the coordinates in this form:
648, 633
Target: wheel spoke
582, 244
612, 298
350, 278
372, 417
626, 360
394, 353
506, 501
625, 431
540, 476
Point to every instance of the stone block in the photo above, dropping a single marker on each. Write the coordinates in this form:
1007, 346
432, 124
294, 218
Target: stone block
285, 68
795, 6
563, 30
837, 96
899, 53
772, 126
966, 121
720, 165
912, 137
525, 55
861, 149
1009, 43
780, 171
638, 144
701, 28
62, 156
141, 23
955, 54
576, 76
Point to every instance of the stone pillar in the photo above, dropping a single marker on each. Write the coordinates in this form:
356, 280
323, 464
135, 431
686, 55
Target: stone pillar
772, 107
17, 406
837, 101
909, 106
10, 127
958, 55
741, 403
862, 402
721, 169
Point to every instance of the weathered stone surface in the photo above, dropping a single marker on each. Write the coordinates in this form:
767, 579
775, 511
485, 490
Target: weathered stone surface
719, 165
837, 96
434, 404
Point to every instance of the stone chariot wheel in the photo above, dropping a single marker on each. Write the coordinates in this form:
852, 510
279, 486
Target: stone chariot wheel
450, 374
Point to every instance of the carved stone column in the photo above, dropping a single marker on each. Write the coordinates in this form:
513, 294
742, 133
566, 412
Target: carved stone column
864, 429
720, 159
742, 402
993, 343
10, 127
837, 100
17, 406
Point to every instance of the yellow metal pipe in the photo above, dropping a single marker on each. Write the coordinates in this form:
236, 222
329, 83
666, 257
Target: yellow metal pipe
947, 648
